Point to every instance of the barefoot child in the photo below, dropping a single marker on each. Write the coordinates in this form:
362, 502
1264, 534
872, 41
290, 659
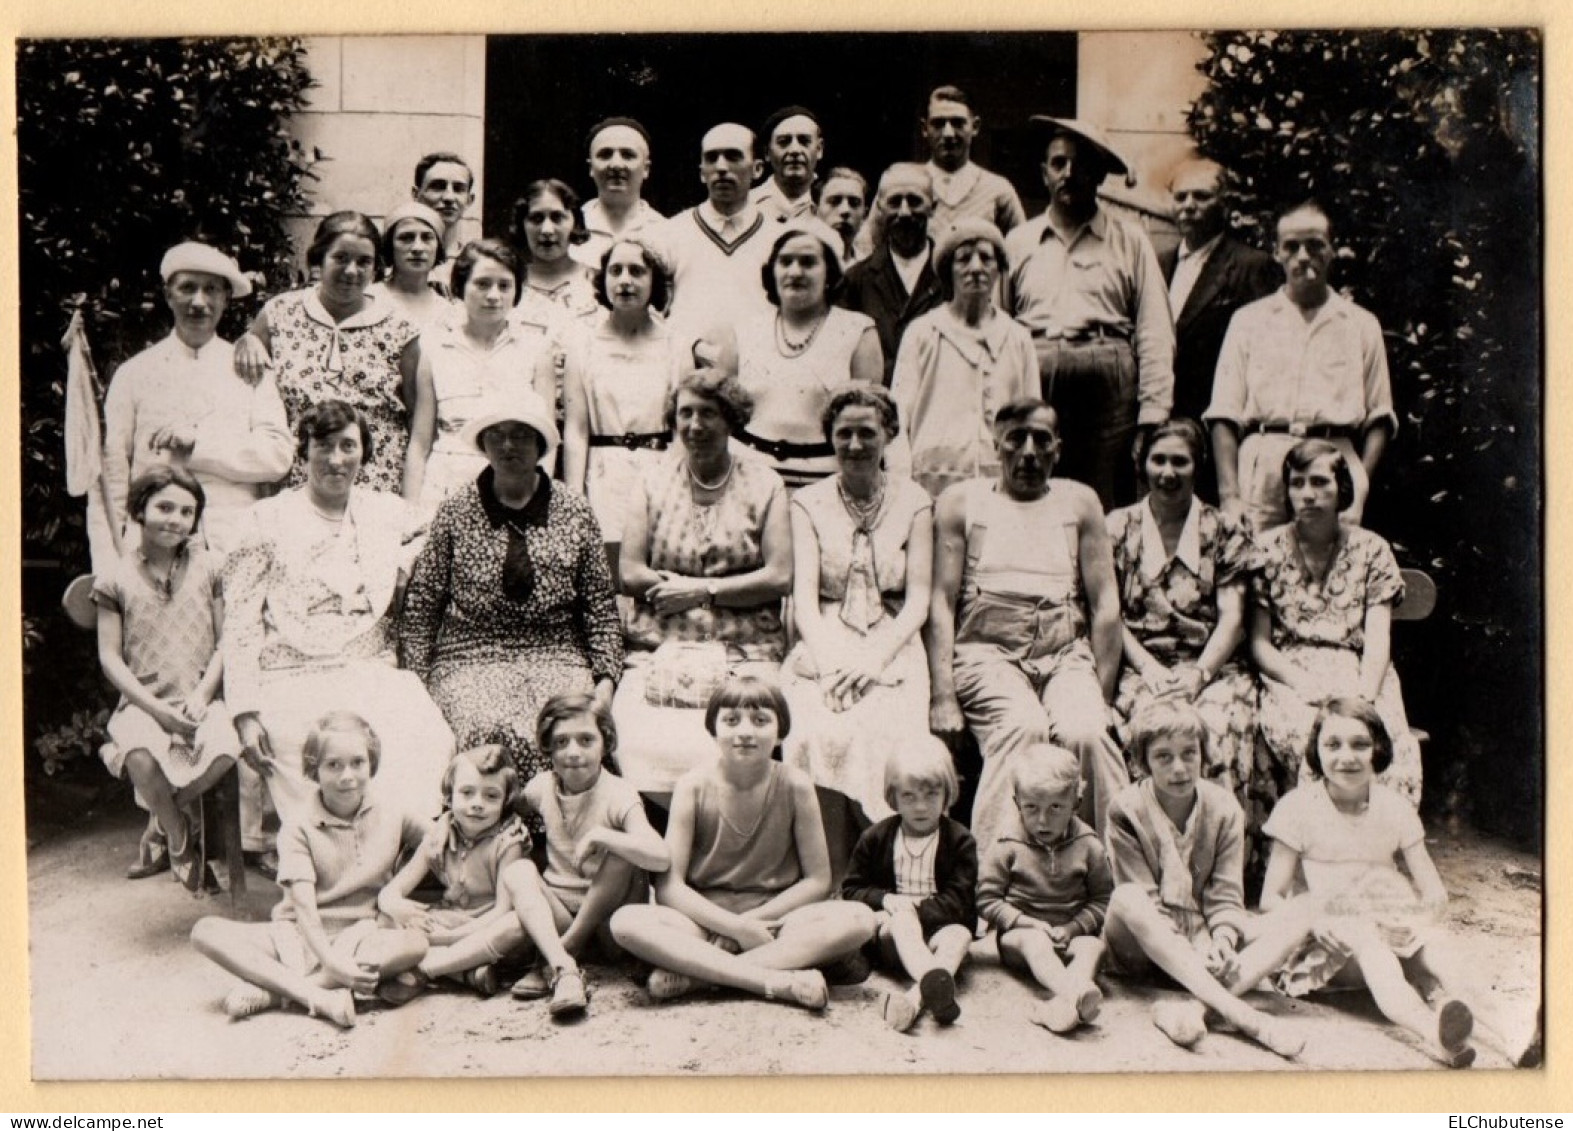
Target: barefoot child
324, 945
1177, 847
160, 615
1045, 886
744, 901
918, 870
479, 921
1340, 836
599, 844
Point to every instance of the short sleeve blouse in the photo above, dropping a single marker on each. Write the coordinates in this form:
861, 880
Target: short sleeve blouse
1365, 573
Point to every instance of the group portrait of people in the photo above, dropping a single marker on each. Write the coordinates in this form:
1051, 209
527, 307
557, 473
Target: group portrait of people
819, 579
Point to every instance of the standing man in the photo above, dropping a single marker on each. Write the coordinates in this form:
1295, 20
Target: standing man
1210, 275
961, 188
896, 283
619, 164
180, 402
445, 183
1023, 635
841, 200
1087, 284
716, 250
1302, 362
794, 146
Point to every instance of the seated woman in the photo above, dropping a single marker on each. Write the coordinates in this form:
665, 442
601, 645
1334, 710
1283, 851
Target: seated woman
707, 557
311, 594
862, 551
790, 360
1182, 567
511, 601
480, 354
744, 903
959, 363
411, 247
617, 371
1321, 624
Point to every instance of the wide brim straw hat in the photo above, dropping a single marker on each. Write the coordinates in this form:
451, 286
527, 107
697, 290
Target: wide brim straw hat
199, 257
524, 407
1086, 132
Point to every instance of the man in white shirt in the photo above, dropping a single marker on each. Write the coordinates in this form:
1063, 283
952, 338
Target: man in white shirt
794, 145
716, 250
960, 187
445, 183
180, 402
619, 163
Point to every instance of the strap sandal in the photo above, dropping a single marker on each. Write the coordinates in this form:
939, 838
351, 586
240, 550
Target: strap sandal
152, 857
568, 994
532, 986
483, 980
402, 988
800, 987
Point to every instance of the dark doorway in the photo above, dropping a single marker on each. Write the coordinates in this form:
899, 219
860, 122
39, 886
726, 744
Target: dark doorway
543, 92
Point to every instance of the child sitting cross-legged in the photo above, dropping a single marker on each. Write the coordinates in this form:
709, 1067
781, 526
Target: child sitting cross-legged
918, 870
600, 847
324, 944
1045, 885
478, 921
1177, 847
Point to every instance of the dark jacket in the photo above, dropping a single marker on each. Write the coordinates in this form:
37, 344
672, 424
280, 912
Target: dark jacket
873, 287
1233, 275
872, 874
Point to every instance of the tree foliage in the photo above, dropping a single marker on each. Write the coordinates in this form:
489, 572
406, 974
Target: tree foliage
1423, 146
126, 147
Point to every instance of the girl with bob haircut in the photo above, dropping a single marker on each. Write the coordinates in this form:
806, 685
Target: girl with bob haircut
744, 903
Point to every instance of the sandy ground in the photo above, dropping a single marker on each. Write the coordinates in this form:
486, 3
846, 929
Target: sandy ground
118, 993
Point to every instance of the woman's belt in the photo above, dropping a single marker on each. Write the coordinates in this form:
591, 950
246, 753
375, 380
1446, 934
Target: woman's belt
785, 449
634, 441
1303, 431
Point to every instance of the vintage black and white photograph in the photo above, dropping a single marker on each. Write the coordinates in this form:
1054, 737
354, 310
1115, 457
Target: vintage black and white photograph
781, 553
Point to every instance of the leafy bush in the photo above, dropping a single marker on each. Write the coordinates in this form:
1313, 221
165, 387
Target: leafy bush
126, 147
1424, 148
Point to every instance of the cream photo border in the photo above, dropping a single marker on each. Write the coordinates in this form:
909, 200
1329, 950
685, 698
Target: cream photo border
1547, 1090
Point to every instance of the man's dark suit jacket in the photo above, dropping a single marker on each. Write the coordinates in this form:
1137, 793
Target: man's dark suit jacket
1233, 275
873, 287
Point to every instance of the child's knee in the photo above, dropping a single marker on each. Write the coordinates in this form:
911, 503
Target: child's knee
628, 922
1085, 948
207, 933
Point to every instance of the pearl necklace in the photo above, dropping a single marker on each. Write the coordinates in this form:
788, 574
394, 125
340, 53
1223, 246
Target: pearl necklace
787, 347
731, 464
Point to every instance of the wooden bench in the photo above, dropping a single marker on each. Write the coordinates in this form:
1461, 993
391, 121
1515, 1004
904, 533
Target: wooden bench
1418, 603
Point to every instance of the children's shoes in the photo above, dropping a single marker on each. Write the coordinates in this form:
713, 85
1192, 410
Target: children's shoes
1057, 1015
939, 996
899, 1012
1183, 1022
568, 995
248, 1001
533, 985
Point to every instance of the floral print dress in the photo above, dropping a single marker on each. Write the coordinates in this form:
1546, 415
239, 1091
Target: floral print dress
1320, 627
357, 361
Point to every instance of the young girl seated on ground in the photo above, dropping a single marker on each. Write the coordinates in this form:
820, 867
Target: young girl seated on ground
1045, 887
744, 901
918, 870
599, 844
1339, 836
160, 614
324, 945
1177, 847
479, 921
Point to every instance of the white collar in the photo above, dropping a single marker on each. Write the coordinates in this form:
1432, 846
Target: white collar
713, 219
1202, 252
1187, 551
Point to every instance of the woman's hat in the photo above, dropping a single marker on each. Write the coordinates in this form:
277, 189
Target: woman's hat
199, 257
412, 210
1084, 132
965, 230
821, 231
524, 406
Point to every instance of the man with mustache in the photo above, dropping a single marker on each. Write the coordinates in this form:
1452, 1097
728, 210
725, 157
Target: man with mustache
1087, 284
1028, 649
715, 250
1302, 362
794, 145
619, 163
896, 283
